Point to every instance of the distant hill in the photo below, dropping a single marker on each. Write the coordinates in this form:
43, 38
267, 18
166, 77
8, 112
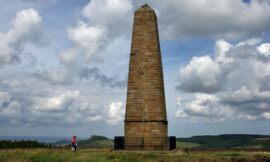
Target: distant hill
225, 141
93, 141
96, 141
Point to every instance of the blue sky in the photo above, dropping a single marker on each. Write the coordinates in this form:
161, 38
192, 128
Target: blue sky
64, 66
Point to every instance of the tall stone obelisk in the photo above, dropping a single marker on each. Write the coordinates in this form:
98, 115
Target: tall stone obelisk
146, 120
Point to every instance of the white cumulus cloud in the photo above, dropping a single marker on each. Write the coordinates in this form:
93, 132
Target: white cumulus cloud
55, 75
204, 107
69, 57
93, 118
116, 15
88, 38
264, 49
266, 115
12, 110
201, 73
236, 78
231, 19
116, 113
26, 25
107, 20
59, 103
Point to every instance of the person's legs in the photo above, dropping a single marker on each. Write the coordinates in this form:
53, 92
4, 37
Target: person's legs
73, 146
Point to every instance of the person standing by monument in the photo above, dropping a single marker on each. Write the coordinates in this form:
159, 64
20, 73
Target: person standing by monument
74, 144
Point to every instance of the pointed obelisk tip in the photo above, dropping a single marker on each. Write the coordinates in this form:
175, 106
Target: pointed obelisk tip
145, 7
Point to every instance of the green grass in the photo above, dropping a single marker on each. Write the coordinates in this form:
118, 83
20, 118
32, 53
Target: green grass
186, 144
104, 155
256, 143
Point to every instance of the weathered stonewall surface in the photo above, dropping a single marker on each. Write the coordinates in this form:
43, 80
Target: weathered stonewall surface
146, 120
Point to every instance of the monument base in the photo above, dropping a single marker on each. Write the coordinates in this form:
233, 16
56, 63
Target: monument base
145, 143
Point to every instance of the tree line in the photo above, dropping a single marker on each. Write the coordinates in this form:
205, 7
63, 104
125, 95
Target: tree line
22, 144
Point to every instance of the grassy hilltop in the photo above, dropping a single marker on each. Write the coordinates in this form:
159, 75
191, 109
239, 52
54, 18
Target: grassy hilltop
87, 152
225, 141
96, 142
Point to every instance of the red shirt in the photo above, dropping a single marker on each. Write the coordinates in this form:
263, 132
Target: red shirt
74, 140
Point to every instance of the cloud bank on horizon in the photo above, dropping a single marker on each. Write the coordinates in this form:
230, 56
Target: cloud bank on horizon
79, 79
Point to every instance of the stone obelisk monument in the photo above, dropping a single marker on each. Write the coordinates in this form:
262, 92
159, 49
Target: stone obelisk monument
146, 120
